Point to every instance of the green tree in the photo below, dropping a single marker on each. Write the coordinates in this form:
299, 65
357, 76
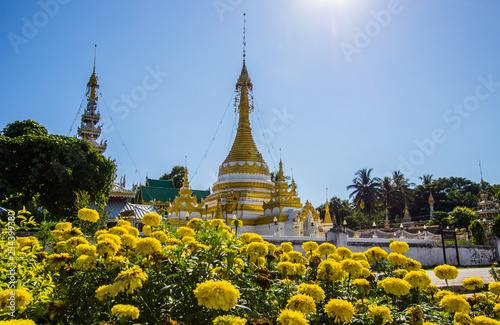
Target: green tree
338, 208
477, 232
176, 175
461, 217
426, 179
50, 169
366, 191
389, 196
402, 186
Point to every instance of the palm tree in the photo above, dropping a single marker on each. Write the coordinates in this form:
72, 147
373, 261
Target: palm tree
402, 186
366, 190
426, 179
389, 196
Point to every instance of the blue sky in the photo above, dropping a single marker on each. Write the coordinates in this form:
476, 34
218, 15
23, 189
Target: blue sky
338, 85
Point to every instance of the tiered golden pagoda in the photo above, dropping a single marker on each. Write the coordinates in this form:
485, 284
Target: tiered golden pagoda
281, 197
88, 129
186, 206
327, 221
244, 182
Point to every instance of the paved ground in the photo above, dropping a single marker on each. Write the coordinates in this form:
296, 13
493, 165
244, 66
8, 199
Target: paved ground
483, 273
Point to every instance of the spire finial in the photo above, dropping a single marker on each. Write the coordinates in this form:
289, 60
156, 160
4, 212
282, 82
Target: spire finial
481, 171
244, 39
327, 194
95, 54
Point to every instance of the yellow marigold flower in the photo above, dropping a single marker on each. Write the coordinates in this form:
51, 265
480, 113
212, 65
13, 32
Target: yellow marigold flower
160, 235
122, 223
302, 303
257, 248
72, 243
291, 317
330, 271
55, 309
412, 265
29, 241
418, 279
286, 247
416, 315
88, 215
441, 293
360, 257
399, 247
286, 268
271, 248
73, 232
429, 323
375, 254
63, 226
340, 310
118, 231
85, 249
129, 241
462, 319
106, 291
401, 273
431, 289
151, 219
107, 247
147, 246
310, 246
494, 288
334, 257
296, 257
17, 321
115, 262
483, 320
446, 272
312, 290
217, 295
363, 285
300, 269
173, 241
194, 223
395, 286
147, 230
116, 239
217, 223
125, 311
380, 314
56, 261
344, 252
471, 283
326, 249
130, 280
185, 232
57, 234
397, 259
131, 230
455, 303
229, 320
353, 268
22, 298
86, 262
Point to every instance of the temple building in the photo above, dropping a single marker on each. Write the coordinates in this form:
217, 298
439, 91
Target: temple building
486, 209
244, 189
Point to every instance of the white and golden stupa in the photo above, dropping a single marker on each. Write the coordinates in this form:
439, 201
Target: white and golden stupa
244, 189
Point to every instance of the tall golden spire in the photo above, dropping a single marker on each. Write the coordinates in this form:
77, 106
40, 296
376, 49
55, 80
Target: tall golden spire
92, 85
244, 148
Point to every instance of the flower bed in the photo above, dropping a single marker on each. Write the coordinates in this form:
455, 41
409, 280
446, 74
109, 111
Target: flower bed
204, 274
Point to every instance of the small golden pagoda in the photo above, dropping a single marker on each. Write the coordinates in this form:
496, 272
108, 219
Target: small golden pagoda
486, 209
186, 205
88, 129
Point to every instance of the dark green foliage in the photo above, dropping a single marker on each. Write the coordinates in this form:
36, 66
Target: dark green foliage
461, 217
496, 226
176, 175
51, 168
26, 127
439, 218
477, 232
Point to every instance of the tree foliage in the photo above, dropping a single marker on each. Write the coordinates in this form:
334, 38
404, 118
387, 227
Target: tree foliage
176, 175
51, 169
366, 190
477, 232
461, 217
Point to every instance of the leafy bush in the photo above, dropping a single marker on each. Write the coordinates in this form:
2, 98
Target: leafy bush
477, 232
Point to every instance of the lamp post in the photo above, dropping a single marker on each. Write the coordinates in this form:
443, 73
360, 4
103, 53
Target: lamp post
187, 218
206, 212
236, 223
345, 224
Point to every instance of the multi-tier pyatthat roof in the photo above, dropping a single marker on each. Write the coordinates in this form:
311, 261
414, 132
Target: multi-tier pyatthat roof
89, 128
